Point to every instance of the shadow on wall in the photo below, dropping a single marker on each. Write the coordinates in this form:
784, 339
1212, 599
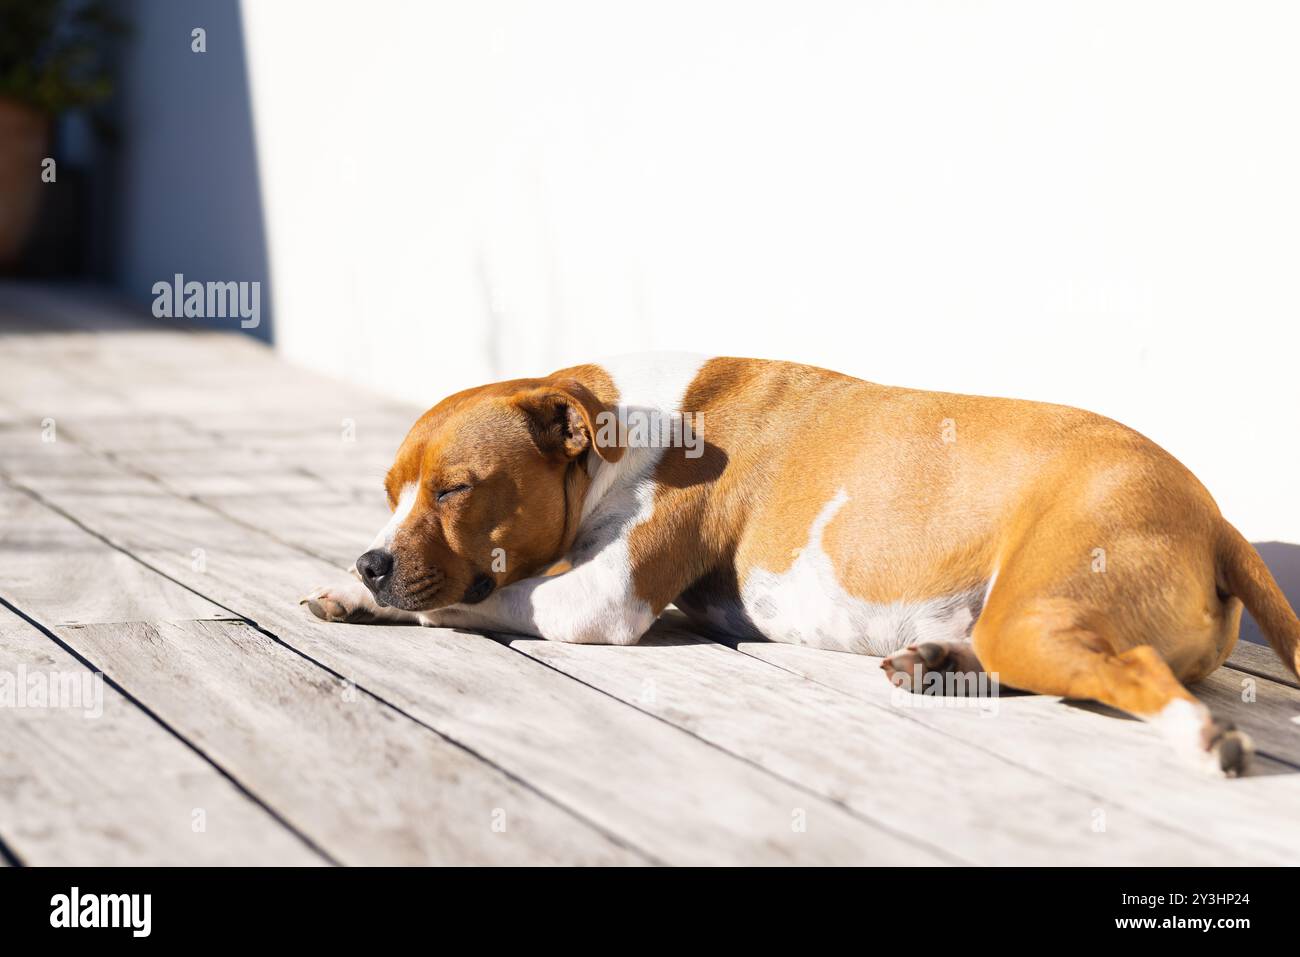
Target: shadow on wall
187, 196
1283, 561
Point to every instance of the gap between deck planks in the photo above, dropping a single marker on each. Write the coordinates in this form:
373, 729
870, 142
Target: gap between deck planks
239, 492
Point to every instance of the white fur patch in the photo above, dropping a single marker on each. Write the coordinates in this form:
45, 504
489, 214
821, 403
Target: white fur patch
405, 502
806, 605
646, 382
1182, 723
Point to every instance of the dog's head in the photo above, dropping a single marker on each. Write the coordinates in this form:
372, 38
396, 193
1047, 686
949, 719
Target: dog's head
486, 489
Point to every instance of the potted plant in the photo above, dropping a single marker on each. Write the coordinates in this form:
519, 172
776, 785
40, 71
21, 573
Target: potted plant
51, 60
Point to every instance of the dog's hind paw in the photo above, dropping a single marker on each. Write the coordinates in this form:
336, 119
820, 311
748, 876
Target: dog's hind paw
1212, 745
909, 667
1228, 750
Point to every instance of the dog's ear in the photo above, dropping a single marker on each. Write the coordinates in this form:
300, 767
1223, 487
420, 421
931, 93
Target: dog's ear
567, 419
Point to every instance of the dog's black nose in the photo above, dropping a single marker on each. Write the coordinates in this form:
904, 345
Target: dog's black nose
374, 567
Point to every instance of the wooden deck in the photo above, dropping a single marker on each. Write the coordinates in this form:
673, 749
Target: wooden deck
167, 496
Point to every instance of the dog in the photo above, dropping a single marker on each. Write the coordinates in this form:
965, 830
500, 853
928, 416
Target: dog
1058, 550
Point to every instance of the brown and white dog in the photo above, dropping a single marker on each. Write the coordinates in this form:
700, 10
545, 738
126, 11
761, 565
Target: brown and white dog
1058, 549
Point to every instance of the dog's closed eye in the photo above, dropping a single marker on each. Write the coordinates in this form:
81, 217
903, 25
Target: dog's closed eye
454, 490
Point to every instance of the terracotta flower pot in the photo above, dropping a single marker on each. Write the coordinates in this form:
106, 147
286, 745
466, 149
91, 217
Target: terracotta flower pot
24, 141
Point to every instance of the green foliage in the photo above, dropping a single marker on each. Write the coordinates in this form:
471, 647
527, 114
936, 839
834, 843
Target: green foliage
52, 52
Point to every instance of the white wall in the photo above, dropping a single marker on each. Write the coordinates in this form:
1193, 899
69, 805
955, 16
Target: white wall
1091, 203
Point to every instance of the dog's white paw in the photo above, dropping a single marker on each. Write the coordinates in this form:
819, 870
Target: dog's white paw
348, 601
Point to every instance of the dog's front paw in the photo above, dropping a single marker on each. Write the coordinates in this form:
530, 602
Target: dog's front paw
348, 601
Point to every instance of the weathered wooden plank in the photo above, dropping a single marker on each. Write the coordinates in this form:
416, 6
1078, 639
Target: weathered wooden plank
666, 791
323, 522
192, 461
88, 779
1260, 660
368, 785
357, 430
224, 471
61, 574
1247, 819
876, 760
325, 526
137, 433
45, 392
662, 790
60, 383
327, 521
150, 368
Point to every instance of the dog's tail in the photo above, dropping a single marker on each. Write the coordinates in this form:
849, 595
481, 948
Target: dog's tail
1248, 578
